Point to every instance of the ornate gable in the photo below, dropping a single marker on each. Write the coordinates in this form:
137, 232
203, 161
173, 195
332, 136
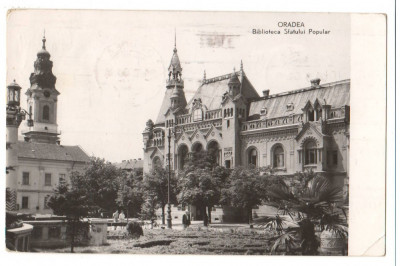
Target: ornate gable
155, 152
310, 130
183, 135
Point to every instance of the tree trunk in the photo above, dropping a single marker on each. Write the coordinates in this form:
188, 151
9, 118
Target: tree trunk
205, 218
209, 214
250, 214
72, 236
163, 214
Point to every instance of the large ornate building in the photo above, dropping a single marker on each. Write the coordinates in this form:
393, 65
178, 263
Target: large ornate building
293, 131
40, 161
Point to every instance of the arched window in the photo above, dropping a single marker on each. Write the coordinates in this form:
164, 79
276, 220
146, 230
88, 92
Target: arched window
310, 115
197, 115
157, 162
252, 160
310, 153
278, 157
46, 113
213, 151
182, 156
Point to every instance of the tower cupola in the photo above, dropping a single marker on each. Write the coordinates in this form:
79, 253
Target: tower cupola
42, 100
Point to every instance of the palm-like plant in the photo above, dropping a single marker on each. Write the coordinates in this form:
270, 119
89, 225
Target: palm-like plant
316, 205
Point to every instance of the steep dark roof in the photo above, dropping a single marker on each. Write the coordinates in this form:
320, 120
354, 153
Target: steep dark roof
130, 164
212, 90
164, 106
46, 151
336, 94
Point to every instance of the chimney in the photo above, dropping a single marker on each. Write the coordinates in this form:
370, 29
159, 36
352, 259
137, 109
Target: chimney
315, 82
265, 93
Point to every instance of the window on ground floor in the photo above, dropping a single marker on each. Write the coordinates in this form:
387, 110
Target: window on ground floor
25, 203
278, 157
252, 160
310, 153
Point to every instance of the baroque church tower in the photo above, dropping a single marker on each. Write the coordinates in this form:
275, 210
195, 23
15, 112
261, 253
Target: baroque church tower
42, 100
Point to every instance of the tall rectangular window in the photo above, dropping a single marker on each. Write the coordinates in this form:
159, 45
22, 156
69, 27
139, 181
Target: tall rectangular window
46, 200
47, 179
25, 203
25, 178
61, 176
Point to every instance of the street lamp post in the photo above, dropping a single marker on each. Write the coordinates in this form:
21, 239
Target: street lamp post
169, 218
15, 115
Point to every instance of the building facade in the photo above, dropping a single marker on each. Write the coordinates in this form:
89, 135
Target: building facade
297, 130
134, 166
40, 160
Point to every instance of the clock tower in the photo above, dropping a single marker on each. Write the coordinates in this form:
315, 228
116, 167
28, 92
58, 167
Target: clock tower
42, 100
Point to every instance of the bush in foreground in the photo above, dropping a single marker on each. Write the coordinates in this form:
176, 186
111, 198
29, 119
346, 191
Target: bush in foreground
134, 229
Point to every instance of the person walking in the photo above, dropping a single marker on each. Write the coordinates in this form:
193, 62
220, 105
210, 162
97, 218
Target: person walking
122, 217
186, 220
115, 216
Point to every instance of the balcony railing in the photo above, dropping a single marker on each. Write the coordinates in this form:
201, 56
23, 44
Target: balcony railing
272, 122
213, 114
287, 120
157, 142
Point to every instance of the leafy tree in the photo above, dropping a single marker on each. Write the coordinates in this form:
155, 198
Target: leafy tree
73, 202
316, 204
149, 207
155, 184
201, 181
130, 194
101, 180
244, 189
199, 188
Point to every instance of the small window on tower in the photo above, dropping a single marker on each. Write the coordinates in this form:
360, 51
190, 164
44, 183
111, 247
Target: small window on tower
46, 113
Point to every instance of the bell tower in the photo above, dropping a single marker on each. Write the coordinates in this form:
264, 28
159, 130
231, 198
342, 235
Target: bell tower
175, 82
42, 100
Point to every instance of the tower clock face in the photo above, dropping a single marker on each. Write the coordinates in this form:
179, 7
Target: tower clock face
46, 94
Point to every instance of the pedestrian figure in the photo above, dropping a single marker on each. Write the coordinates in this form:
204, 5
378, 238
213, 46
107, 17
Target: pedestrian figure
121, 218
205, 220
186, 220
115, 216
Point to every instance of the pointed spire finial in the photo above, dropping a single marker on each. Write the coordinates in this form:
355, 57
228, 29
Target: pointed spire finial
175, 50
44, 40
241, 65
204, 77
234, 70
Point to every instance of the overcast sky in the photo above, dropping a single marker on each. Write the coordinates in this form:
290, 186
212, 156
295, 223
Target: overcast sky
111, 66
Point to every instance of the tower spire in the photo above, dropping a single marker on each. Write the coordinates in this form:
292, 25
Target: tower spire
241, 65
44, 40
175, 50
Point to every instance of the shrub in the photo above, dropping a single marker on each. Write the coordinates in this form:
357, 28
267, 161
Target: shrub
134, 229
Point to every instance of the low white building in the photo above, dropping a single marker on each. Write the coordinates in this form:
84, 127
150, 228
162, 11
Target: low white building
40, 167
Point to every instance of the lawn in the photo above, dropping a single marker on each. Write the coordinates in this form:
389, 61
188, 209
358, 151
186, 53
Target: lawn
194, 240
